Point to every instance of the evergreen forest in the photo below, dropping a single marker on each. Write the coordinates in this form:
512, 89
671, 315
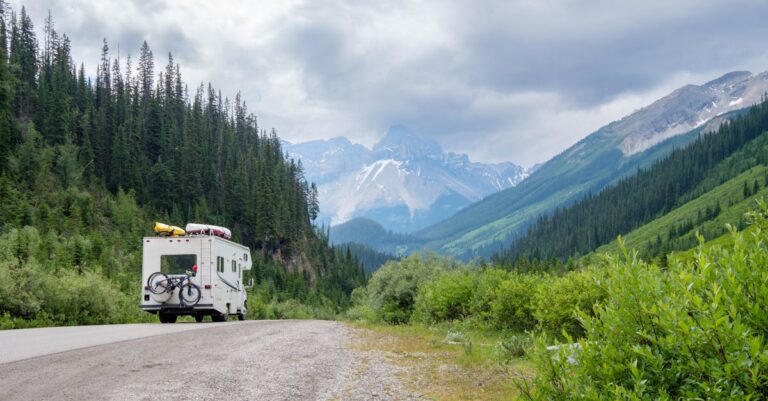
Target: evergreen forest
89, 159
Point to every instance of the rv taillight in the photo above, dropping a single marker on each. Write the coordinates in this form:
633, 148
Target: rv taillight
207, 287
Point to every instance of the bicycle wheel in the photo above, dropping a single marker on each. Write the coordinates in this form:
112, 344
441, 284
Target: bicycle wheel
190, 294
158, 283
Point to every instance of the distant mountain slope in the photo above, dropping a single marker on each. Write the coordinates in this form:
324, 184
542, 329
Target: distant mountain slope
601, 158
370, 258
366, 231
683, 176
404, 183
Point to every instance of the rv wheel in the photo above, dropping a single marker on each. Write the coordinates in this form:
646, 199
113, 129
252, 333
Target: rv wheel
199, 317
220, 317
240, 316
164, 318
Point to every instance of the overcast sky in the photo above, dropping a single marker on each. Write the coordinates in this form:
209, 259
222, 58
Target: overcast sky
500, 80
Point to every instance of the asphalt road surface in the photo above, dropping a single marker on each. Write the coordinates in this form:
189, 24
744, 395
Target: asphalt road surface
253, 360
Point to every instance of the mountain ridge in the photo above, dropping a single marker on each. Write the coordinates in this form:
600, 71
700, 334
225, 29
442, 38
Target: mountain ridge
403, 182
594, 162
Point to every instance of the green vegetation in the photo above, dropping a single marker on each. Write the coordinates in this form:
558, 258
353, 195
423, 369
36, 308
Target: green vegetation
86, 167
695, 330
629, 329
431, 290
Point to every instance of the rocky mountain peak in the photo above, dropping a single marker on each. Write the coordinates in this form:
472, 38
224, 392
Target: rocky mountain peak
729, 79
401, 143
687, 108
405, 183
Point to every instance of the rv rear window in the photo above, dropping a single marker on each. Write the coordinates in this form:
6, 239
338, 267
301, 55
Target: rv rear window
177, 264
234, 266
220, 264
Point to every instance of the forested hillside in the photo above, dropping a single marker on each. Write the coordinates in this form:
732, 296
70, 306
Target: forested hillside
89, 161
683, 176
370, 258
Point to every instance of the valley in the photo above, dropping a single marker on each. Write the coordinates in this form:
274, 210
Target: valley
436, 200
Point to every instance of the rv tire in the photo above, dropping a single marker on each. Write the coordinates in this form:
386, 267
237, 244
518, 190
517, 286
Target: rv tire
166, 318
240, 316
199, 317
222, 317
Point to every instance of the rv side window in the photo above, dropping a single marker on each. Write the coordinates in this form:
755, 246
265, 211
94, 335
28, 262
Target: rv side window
220, 264
245, 257
177, 264
234, 267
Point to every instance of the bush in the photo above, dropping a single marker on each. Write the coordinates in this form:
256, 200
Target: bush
391, 291
559, 298
488, 281
512, 303
290, 309
515, 346
446, 298
696, 331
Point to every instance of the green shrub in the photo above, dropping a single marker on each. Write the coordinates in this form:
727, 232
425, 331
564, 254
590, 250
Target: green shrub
513, 300
487, 282
291, 309
695, 331
513, 347
559, 298
391, 291
448, 297
361, 313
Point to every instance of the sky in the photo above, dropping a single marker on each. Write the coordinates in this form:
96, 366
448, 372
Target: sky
516, 81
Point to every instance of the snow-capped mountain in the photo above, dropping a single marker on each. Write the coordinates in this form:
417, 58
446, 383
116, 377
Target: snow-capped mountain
404, 182
687, 108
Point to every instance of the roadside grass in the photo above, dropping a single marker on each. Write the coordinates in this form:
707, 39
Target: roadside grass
8, 322
447, 362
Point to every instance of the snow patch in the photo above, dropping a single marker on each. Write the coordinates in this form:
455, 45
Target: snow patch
735, 102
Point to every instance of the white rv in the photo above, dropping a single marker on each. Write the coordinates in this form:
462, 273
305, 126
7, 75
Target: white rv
220, 266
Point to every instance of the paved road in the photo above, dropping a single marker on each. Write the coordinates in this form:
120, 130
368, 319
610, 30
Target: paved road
16, 345
256, 360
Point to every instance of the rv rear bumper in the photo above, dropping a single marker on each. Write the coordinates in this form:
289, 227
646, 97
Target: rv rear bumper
177, 309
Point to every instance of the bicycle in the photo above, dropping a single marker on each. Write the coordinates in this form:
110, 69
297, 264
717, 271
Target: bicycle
189, 293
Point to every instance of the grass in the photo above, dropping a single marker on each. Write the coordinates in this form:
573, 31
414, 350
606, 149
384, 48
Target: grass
443, 363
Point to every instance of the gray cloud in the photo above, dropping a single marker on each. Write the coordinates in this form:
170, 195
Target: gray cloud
501, 80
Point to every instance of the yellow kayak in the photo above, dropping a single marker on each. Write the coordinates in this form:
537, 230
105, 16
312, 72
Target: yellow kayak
165, 229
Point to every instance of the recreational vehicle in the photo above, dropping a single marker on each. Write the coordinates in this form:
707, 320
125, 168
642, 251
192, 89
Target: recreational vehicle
200, 260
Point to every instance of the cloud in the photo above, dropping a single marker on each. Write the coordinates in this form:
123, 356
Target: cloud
501, 80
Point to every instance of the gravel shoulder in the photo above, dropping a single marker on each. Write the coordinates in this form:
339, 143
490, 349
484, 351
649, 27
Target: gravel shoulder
257, 360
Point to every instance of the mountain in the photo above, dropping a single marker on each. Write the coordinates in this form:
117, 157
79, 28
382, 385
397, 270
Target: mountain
702, 187
602, 158
366, 231
404, 182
